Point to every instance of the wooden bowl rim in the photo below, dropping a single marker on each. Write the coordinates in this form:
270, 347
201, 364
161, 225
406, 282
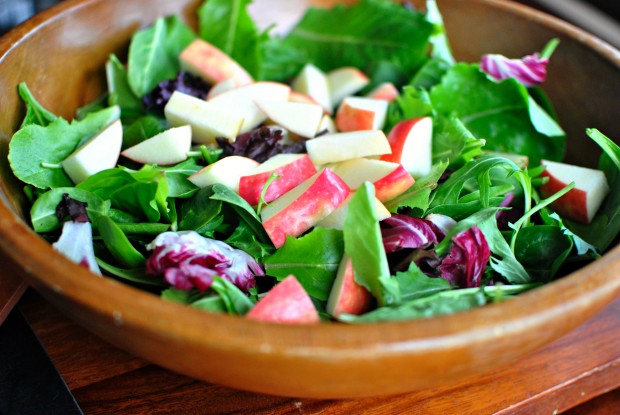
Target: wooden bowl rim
45, 268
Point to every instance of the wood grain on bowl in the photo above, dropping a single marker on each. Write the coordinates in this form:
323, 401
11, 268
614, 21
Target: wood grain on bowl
60, 54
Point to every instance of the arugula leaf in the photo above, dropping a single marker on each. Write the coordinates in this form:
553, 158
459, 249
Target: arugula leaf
500, 112
153, 229
418, 195
149, 62
364, 245
313, 259
36, 114
280, 62
228, 25
369, 31
479, 217
430, 74
43, 211
453, 142
609, 147
207, 301
36, 151
439, 40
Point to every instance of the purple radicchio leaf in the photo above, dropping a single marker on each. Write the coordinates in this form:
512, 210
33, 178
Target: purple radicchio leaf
530, 70
467, 259
260, 144
76, 239
504, 217
402, 232
185, 82
188, 260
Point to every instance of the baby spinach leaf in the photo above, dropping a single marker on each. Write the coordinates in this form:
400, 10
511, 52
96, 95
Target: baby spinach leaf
201, 213
500, 112
142, 128
369, 31
36, 151
142, 228
119, 91
36, 114
237, 303
138, 199
118, 244
149, 62
178, 185
243, 238
43, 211
106, 182
280, 62
228, 25
242, 208
542, 249
135, 275
178, 37
364, 245
313, 259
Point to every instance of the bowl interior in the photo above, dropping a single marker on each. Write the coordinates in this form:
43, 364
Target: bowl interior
61, 54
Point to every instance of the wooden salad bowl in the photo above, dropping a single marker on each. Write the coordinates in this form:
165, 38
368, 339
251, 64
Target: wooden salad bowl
61, 55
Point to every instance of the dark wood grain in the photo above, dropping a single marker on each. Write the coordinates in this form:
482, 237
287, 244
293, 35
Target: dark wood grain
568, 372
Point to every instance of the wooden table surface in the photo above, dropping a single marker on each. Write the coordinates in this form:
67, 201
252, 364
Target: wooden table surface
572, 370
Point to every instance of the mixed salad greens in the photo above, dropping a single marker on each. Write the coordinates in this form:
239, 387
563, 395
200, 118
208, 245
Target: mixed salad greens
475, 228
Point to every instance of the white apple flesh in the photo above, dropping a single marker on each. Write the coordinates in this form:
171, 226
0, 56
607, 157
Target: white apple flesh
226, 171
583, 201
205, 60
332, 148
412, 145
390, 179
345, 81
207, 120
99, 153
241, 101
302, 208
313, 82
360, 113
298, 118
286, 303
291, 169
166, 148
335, 220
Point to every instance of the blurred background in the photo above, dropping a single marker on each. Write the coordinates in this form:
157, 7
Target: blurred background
601, 17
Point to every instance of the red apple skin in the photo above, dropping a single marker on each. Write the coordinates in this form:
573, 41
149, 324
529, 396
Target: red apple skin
392, 185
350, 118
323, 197
213, 65
386, 91
573, 205
286, 303
291, 174
354, 298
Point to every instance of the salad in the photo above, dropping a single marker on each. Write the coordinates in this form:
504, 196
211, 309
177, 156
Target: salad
351, 170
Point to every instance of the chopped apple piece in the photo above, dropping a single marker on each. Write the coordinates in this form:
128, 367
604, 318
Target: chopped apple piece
345, 81
344, 146
389, 179
291, 169
301, 98
287, 303
412, 145
313, 82
347, 296
99, 153
226, 171
327, 125
583, 201
359, 113
241, 101
335, 220
300, 209
298, 118
385, 91
222, 86
206, 119
203, 59
166, 148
